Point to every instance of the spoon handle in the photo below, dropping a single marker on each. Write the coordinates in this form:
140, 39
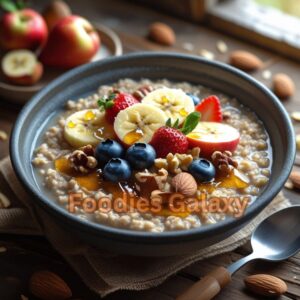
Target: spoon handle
208, 287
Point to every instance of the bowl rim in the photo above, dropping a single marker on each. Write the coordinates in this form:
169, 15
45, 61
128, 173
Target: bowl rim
144, 236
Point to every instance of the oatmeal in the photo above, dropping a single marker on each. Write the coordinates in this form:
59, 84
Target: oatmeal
152, 156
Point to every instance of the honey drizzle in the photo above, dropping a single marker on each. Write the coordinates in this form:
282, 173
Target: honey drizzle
133, 136
93, 182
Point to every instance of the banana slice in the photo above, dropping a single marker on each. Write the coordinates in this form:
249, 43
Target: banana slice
87, 127
138, 123
19, 63
174, 102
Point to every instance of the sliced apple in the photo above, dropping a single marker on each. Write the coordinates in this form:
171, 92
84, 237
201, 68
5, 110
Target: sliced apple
212, 136
21, 67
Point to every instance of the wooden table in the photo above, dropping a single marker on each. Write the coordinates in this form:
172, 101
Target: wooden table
130, 22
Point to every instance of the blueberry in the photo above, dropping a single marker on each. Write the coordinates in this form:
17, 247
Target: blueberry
117, 170
141, 156
107, 150
202, 169
195, 98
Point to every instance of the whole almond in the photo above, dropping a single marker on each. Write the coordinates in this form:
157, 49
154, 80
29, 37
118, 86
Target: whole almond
185, 184
265, 285
245, 60
47, 285
283, 86
295, 179
162, 34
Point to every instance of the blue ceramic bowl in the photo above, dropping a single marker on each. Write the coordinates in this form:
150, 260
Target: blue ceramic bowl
175, 67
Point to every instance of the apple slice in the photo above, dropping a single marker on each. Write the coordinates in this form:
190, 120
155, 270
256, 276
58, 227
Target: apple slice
21, 67
213, 136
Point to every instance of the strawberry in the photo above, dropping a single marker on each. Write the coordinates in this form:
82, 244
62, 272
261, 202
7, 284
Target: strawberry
210, 109
114, 103
170, 139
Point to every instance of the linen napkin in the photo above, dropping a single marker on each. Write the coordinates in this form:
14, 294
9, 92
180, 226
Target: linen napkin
101, 271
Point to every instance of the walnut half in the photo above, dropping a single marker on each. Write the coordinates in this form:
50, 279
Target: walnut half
83, 160
223, 162
176, 163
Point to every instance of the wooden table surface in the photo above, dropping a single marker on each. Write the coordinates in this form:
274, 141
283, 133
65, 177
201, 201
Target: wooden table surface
130, 21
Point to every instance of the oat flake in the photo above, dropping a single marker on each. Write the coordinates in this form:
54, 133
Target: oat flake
295, 115
3, 135
298, 141
222, 47
266, 74
188, 46
2, 249
4, 201
289, 185
206, 54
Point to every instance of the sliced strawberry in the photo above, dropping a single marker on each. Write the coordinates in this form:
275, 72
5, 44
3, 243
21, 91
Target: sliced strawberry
210, 109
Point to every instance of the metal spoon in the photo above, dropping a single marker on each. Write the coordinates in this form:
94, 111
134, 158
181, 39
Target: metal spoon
276, 238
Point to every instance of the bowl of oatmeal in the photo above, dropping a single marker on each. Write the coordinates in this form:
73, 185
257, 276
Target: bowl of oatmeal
153, 154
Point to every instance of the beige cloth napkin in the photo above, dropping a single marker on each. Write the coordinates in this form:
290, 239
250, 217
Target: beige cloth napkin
101, 271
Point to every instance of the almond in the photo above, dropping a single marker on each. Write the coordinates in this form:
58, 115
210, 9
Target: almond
265, 285
295, 179
3, 135
245, 60
162, 34
47, 285
185, 184
298, 142
283, 86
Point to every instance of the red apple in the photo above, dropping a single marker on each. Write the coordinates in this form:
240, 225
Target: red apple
73, 41
22, 29
213, 136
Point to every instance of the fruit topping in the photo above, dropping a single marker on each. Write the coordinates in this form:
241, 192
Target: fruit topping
117, 170
202, 170
108, 149
223, 162
141, 156
86, 127
138, 123
212, 136
210, 109
174, 102
141, 92
170, 139
115, 103
195, 98
21, 67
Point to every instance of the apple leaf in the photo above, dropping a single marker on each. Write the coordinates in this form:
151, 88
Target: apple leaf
11, 6
8, 5
190, 122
